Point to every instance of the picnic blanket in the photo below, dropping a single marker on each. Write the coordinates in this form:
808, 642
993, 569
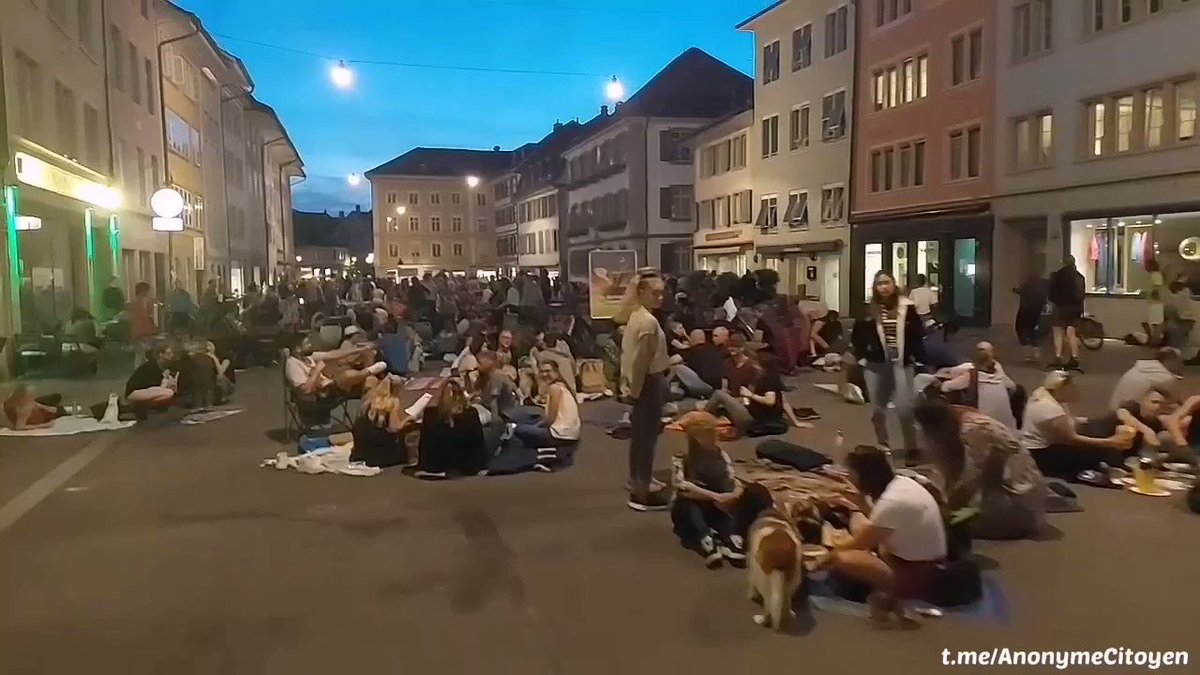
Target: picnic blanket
206, 416
788, 486
67, 426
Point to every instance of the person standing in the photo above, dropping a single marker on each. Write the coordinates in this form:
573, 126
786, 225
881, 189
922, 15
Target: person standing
142, 329
113, 299
1031, 301
181, 307
1066, 293
924, 299
888, 341
644, 363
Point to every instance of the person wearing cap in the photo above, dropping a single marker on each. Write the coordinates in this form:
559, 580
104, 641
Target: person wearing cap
353, 336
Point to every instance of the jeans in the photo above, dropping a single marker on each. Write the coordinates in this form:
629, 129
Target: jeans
892, 382
732, 406
645, 425
694, 519
535, 435
691, 382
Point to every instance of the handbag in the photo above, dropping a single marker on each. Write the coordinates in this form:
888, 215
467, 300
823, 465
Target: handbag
591, 376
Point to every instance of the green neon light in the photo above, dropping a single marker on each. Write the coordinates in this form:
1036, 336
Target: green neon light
114, 242
90, 247
12, 204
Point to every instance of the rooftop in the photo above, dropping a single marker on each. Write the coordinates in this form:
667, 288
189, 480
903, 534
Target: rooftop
447, 162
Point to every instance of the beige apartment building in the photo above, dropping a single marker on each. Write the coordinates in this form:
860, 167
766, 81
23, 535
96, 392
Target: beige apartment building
724, 237
800, 151
432, 211
279, 166
1098, 153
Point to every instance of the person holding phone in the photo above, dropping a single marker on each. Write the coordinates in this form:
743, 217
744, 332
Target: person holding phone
153, 384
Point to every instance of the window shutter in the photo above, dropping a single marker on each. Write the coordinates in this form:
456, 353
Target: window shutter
664, 202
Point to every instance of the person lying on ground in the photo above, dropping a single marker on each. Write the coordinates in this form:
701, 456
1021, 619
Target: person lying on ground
981, 464
1060, 448
699, 370
705, 493
316, 374
898, 547
25, 410
452, 441
560, 424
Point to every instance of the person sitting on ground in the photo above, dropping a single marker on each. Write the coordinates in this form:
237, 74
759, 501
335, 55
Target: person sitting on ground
560, 425
899, 547
705, 492
25, 410
827, 333
1060, 448
81, 329
1161, 372
154, 384
495, 397
677, 336
700, 368
549, 347
324, 375
982, 465
1183, 431
1147, 416
756, 407
378, 429
451, 437
720, 340
353, 337
984, 385
467, 362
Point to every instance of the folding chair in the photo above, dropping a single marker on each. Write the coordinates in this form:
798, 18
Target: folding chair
295, 426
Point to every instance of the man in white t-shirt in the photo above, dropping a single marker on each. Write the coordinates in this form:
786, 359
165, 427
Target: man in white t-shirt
924, 297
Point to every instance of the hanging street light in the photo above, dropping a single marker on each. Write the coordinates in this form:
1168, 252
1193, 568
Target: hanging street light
401, 210
343, 77
472, 182
354, 179
370, 259
615, 90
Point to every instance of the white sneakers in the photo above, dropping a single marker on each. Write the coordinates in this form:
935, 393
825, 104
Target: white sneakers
377, 368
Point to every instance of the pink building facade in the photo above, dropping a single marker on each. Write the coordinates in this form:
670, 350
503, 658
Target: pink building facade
922, 170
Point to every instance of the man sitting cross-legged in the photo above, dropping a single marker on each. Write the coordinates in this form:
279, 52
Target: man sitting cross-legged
154, 385
320, 377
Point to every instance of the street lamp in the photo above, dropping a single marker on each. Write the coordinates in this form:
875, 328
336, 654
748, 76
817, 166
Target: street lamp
343, 77
472, 182
370, 259
401, 210
354, 179
615, 90
299, 258
353, 259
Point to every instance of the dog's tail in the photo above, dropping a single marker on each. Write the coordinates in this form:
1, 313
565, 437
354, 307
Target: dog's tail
777, 603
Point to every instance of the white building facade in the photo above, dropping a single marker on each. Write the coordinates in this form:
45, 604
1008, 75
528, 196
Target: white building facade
724, 237
1099, 156
800, 149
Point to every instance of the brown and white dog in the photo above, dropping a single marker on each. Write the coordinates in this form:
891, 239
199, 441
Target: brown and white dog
775, 565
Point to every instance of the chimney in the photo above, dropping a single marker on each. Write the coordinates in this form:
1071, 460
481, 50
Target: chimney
358, 208
604, 109
341, 214
495, 148
557, 125
618, 104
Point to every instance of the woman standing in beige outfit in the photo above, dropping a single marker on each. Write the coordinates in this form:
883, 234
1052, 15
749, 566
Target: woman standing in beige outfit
644, 363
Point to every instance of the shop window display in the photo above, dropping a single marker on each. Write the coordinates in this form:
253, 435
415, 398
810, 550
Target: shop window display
872, 263
1114, 254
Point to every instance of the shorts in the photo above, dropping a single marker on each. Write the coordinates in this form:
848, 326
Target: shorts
915, 580
1064, 316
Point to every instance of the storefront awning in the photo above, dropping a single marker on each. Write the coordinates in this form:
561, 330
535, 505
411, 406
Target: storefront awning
832, 246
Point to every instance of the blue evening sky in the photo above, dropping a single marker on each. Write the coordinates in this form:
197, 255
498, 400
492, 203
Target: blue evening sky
393, 109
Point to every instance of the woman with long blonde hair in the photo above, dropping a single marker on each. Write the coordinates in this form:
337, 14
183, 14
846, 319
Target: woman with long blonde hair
644, 364
451, 436
379, 428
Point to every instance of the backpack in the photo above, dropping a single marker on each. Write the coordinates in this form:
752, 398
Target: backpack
959, 582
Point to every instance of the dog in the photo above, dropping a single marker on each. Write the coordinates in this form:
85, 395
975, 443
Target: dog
775, 565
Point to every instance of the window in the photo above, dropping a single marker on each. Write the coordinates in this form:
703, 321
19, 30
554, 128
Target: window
671, 147
457, 250
887, 11
1033, 28
87, 24
482, 224
674, 203
833, 116
768, 214
393, 251
1111, 252
481, 199
145, 8
135, 79
414, 223
836, 31
116, 64
92, 152
64, 115
151, 100
737, 151
1096, 114
796, 214
1186, 96
143, 179
802, 47
390, 198
966, 57
900, 84
833, 200
435, 223
1097, 15
182, 139
798, 128
435, 250
966, 153
1153, 117
456, 223
414, 198
770, 62
1126, 14
1033, 141
911, 169
435, 198
770, 136
455, 197
154, 174
889, 168
1153, 6
1124, 123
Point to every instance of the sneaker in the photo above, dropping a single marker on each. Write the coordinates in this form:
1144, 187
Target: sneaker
1055, 364
1072, 364
734, 549
657, 500
542, 468
430, 475
377, 368
708, 549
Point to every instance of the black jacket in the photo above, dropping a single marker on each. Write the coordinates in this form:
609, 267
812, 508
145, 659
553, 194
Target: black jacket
1066, 288
867, 343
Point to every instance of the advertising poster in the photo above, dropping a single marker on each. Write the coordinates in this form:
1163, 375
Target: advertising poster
609, 274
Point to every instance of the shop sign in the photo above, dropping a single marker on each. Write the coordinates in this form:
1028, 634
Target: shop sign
166, 224
28, 223
610, 273
810, 272
723, 235
40, 174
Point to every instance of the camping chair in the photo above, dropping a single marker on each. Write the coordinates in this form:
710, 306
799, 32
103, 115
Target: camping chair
295, 423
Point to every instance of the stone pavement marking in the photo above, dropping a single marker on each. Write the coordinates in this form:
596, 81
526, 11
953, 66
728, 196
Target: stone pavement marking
43, 487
